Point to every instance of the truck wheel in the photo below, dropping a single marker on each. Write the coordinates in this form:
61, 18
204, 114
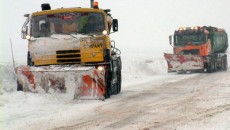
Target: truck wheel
115, 77
119, 81
211, 67
119, 76
107, 89
225, 64
107, 82
19, 86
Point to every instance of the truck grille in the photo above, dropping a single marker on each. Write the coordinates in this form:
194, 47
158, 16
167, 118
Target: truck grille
191, 52
68, 56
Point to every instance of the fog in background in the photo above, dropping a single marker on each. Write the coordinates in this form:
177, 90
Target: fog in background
144, 25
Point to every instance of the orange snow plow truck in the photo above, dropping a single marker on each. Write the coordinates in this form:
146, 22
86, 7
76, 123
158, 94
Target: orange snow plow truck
70, 51
198, 49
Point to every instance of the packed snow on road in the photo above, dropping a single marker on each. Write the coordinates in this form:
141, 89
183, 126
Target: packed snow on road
151, 98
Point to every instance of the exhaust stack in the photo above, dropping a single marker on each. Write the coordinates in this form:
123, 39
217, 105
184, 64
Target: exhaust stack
45, 6
92, 3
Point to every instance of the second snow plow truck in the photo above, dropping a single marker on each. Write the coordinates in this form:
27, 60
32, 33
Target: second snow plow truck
69, 50
198, 49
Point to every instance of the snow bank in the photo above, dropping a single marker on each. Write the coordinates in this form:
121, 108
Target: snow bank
7, 78
138, 66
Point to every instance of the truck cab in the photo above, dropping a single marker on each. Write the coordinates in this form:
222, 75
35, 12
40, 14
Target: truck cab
68, 36
193, 41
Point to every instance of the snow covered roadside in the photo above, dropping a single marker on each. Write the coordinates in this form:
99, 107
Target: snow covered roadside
22, 109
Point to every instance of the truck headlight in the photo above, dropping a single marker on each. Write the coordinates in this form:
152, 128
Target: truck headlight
100, 68
28, 37
104, 32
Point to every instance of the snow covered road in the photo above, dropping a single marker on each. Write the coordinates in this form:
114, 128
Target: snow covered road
150, 99
190, 101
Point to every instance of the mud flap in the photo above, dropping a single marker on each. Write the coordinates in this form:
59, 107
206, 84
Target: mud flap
82, 82
183, 62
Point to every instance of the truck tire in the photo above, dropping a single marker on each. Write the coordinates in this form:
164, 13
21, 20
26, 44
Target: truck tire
211, 68
119, 81
108, 77
225, 64
119, 75
114, 76
19, 86
107, 92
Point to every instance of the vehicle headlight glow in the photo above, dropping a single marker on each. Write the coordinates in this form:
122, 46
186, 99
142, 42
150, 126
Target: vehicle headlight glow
105, 32
100, 68
182, 28
28, 37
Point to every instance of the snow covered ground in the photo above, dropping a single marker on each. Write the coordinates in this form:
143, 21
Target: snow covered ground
150, 99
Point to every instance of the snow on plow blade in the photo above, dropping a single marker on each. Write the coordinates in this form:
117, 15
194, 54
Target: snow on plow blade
183, 62
82, 82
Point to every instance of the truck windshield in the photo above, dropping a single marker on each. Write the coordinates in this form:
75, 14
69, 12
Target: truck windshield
193, 39
67, 23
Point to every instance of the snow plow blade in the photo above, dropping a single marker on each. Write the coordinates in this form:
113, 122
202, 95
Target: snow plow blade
82, 82
183, 62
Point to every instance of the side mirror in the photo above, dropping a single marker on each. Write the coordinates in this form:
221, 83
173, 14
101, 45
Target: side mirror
115, 25
24, 32
170, 39
27, 15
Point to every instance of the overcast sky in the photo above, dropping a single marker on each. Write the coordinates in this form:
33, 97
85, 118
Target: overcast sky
144, 25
